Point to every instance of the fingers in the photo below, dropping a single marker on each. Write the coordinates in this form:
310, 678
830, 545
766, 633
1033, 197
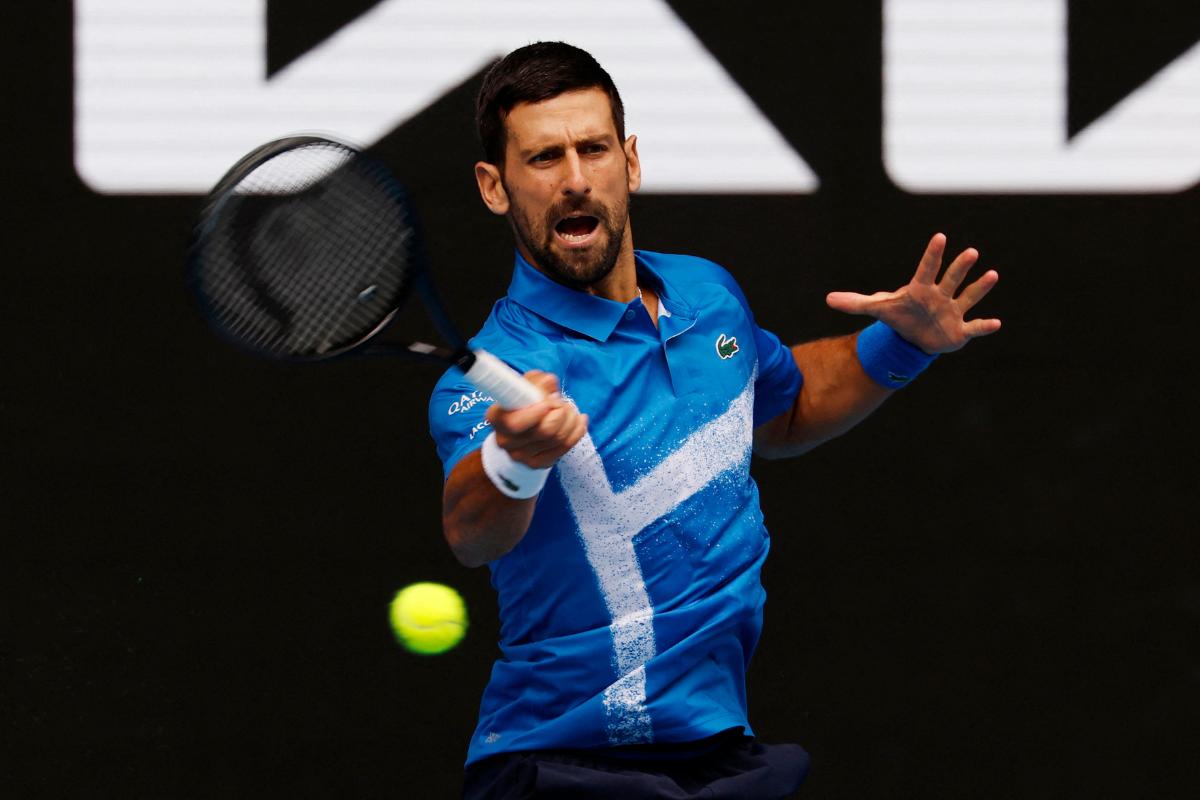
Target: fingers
958, 270
972, 295
538, 435
577, 433
854, 303
545, 381
926, 311
557, 433
931, 261
848, 302
978, 290
981, 327
551, 430
521, 420
956, 273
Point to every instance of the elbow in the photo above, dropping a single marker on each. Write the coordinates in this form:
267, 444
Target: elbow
770, 452
776, 451
462, 546
784, 437
469, 559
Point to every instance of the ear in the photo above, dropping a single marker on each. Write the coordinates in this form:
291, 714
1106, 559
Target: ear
491, 188
633, 164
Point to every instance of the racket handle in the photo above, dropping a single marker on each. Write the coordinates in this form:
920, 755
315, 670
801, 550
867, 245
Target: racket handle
505, 384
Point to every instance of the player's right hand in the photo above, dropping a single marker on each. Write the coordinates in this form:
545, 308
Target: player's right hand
540, 434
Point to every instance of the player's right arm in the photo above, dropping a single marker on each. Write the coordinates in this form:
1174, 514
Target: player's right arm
480, 522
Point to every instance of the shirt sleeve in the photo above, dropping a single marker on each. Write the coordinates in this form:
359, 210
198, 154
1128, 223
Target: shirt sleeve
457, 409
779, 379
456, 418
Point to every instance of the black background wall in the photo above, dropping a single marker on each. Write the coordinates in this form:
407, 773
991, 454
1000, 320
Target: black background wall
988, 589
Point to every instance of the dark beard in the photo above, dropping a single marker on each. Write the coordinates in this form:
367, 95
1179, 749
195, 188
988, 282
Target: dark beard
581, 274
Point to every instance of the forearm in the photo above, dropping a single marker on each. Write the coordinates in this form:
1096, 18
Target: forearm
480, 523
837, 394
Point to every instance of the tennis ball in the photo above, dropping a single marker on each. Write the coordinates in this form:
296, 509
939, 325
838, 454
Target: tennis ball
428, 618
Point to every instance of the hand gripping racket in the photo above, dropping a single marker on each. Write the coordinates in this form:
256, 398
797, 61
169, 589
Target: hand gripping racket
308, 248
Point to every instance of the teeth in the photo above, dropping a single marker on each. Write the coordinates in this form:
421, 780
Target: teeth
574, 237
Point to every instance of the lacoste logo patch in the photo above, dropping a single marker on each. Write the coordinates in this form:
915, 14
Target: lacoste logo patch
726, 348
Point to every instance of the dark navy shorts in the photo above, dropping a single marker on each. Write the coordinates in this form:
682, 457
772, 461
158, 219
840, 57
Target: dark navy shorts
728, 766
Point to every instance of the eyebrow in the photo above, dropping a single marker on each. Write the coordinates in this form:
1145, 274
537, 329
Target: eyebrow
557, 147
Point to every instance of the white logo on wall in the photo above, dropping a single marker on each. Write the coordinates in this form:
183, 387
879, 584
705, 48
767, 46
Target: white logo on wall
975, 100
169, 94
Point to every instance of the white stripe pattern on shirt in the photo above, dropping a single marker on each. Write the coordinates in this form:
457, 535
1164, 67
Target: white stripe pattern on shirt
608, 522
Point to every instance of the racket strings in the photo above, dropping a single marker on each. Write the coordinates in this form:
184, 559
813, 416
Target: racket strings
362, 252
308, 252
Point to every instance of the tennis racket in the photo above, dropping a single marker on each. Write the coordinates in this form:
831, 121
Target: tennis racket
307, 248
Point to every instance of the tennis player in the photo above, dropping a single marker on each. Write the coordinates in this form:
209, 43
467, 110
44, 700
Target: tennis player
618, 515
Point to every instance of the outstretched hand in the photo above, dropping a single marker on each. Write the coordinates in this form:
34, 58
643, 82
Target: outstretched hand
926, 312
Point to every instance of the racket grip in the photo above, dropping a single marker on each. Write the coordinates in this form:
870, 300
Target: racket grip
505, 384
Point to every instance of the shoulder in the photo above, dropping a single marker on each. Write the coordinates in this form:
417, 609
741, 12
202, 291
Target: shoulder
519, 336
457, 409
688, 274
685, 269
516, 336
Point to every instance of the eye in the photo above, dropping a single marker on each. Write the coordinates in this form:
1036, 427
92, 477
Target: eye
595, 148
543, 157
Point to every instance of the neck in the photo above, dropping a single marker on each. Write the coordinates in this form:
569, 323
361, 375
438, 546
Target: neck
620, 284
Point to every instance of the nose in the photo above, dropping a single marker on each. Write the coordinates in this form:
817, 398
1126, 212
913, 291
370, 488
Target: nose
575, 181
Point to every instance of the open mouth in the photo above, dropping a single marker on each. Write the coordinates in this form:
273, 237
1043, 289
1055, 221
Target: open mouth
577, 228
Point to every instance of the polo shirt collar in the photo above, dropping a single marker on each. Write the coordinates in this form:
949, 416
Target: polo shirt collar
578, 311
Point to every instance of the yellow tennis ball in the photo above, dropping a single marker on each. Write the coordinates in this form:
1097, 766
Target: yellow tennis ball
428, 618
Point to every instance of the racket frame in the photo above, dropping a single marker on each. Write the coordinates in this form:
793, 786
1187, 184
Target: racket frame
486, 371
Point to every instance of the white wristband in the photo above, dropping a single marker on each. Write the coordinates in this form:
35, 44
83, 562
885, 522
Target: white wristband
511, 477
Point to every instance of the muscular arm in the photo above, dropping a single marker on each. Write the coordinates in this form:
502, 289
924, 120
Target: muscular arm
837, 394
479, 521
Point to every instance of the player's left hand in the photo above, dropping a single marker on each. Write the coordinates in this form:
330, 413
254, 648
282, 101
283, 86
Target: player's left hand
926, 312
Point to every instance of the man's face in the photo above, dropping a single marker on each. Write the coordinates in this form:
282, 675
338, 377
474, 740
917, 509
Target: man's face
567, 179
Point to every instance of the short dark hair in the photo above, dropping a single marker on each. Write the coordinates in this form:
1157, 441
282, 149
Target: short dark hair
531, 74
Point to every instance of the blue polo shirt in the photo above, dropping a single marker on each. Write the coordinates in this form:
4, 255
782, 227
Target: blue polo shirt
631, 607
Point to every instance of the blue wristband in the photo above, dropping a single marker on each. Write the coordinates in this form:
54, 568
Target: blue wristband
888, 358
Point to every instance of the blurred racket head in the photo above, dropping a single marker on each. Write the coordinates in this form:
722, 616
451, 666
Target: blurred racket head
305, 249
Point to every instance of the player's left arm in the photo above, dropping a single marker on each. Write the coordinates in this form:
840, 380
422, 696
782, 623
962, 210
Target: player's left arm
838, 390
